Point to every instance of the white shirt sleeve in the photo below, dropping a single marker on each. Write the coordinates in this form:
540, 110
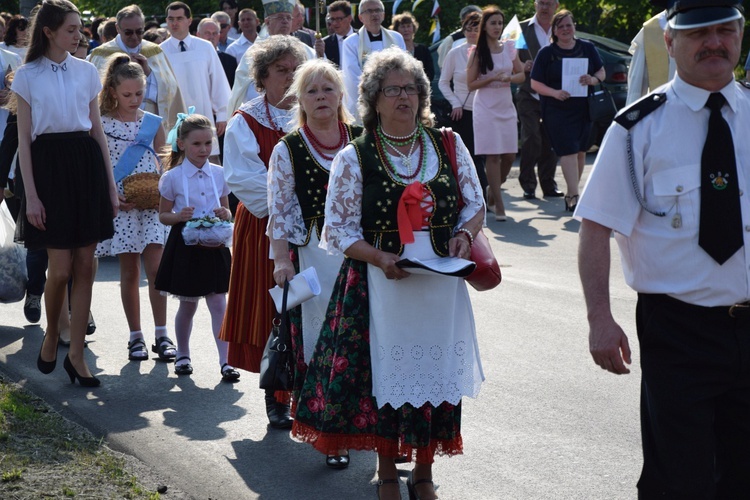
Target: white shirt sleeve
284, 212
343, 204
446, 75
244, 171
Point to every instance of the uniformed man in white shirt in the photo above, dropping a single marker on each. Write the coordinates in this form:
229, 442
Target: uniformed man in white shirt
671, 181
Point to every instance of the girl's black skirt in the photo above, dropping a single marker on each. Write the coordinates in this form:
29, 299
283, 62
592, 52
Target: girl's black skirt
192, 271
71, 181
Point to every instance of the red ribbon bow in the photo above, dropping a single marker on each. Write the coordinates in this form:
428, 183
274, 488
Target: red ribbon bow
412, 216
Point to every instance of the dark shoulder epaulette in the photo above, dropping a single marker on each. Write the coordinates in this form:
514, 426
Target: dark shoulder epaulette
629, 116
745, 83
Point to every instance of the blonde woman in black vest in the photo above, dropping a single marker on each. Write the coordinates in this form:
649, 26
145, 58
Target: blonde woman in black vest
385, 373
297, 181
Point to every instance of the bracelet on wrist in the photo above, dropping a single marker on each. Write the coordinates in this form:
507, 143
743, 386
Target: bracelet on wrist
466, 232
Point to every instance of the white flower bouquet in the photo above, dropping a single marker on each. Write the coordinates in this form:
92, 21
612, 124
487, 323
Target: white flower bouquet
208, 232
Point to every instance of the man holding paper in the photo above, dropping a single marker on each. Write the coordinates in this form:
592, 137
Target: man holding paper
561, 75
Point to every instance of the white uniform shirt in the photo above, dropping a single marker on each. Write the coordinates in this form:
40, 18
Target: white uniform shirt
59, 94
454, 69
200, 183
667, 146
238, 47
201, 77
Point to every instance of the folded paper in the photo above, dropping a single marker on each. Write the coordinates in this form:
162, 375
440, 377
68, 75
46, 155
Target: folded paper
302, 287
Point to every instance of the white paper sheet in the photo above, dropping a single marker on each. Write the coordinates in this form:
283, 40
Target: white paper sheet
302, 287
572, 70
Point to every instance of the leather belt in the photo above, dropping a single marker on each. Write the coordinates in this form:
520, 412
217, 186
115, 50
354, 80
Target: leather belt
740, 310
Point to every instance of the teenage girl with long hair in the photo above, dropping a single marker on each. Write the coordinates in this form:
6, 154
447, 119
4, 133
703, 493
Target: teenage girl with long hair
70, 195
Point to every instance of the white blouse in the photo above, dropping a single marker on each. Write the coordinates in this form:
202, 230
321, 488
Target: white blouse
344, 200
246, 174
205, 187
59, 94
454, 68
285, 214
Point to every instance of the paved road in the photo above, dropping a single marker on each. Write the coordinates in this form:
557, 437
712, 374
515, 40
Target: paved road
548, 423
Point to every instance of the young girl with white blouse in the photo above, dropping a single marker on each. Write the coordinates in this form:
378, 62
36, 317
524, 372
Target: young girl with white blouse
192, 188
133, 137
70, 195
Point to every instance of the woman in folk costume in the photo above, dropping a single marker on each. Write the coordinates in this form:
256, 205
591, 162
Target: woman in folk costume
297, 183
397, 351
251, 136
371, 37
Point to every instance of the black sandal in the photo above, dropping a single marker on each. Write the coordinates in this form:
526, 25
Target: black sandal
411, 485
186, 369
381, 482
337, 461
90, 325
162, 345
137, 346
229, 374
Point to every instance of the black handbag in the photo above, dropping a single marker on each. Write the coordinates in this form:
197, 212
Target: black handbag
277, 364
601, 105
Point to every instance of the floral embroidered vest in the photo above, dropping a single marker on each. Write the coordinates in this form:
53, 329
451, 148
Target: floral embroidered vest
381, 192
310, 180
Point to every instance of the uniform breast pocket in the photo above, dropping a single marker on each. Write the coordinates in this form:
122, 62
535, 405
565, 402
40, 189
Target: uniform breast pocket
677, 192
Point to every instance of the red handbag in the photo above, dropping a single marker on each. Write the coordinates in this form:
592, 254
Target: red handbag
487, 275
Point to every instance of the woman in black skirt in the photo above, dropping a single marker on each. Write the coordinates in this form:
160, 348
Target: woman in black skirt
70, 196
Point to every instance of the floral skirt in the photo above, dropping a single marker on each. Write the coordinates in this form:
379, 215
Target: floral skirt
336, 409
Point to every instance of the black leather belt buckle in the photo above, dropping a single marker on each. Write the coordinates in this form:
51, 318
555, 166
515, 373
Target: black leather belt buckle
741, 310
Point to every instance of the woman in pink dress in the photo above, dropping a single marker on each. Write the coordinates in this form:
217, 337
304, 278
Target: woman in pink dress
492, 67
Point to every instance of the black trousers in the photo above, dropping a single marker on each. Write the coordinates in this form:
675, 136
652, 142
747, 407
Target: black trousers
535, 147
695, 400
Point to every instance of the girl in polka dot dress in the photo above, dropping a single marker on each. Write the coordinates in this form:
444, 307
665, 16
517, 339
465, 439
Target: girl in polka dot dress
137, 232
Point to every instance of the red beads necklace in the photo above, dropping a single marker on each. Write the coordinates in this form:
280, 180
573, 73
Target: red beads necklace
271, 122
318, 146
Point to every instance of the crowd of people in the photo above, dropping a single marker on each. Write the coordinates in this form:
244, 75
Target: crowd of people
170, 146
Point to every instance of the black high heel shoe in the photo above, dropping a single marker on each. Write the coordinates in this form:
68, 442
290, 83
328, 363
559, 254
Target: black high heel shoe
411, 485
73, 374
46, 366
571, 202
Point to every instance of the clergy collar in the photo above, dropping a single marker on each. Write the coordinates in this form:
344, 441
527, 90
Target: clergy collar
375, 38
125, 48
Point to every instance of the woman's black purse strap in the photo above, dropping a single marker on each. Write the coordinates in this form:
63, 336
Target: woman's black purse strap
282, 319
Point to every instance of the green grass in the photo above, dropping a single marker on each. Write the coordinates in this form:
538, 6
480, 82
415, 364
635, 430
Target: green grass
44, 455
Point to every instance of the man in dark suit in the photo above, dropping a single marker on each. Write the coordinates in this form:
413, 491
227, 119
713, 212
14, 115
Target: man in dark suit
535, 146
340, 19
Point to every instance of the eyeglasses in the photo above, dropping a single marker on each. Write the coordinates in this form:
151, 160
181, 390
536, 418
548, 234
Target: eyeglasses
224, 26
138, 32
395, 90
372, 12
336, 19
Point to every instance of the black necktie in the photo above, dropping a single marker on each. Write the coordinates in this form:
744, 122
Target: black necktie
721, 217
182, 46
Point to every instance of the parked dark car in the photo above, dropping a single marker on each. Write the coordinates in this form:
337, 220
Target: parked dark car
615, 57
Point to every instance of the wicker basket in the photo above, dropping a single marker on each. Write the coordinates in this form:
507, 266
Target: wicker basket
143, 190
